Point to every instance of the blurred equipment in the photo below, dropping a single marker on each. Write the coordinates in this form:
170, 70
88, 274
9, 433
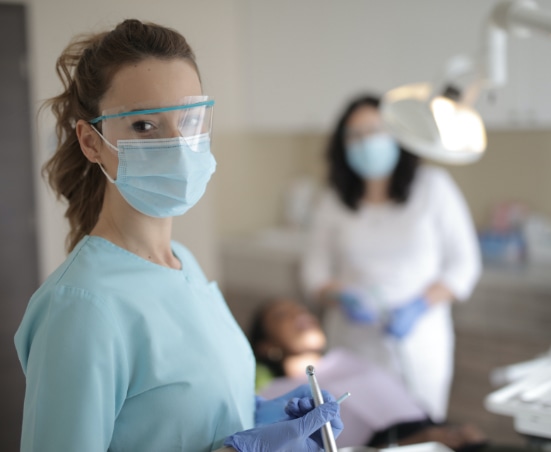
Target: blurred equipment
503, 242
421, 447
437, 120
527, 399
537, 232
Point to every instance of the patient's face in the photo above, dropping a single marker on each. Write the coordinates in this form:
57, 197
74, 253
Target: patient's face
291, 327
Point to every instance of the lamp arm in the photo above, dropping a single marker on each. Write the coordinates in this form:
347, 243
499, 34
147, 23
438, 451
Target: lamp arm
492, 58
519, 17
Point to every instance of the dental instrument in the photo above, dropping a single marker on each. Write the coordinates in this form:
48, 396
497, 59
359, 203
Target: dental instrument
342, 398
327, 437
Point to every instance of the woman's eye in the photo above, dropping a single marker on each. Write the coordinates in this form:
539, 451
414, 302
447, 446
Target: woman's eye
142, 126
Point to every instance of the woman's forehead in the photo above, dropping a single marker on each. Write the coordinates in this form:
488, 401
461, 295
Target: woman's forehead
365, 115
152, 80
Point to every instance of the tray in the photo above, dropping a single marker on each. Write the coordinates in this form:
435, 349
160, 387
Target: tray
421, 447
528, 401
431, 446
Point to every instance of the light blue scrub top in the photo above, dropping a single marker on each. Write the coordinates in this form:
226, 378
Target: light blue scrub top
121, 354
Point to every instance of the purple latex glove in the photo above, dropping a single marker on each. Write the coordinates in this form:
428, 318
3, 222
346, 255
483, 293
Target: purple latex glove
404, 318
273, 410
299, 407
292, 435
357, 306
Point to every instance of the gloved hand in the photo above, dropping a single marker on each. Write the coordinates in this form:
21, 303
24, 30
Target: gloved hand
273, 410
292, 435
299, 407
357, 306
403, 319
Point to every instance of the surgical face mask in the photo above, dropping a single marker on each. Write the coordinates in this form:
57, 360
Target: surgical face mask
163, 177
164, 153
373, 157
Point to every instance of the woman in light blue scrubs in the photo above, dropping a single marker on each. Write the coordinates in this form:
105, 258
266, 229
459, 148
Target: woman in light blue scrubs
127, 346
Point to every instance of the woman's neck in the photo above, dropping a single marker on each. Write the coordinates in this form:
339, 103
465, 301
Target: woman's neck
295, 366
147, 237
377, 191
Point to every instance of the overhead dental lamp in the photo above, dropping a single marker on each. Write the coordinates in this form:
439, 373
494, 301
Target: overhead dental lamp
438, 120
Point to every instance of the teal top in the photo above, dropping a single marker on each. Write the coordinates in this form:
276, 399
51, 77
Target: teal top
121, 354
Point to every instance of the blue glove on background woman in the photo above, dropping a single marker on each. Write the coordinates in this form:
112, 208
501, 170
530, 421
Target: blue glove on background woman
357, 306
404, 318
295, 435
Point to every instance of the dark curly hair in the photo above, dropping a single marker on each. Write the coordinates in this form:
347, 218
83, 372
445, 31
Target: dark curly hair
350, 187
257, 334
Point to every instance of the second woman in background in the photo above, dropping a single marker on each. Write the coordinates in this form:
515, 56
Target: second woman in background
392, 245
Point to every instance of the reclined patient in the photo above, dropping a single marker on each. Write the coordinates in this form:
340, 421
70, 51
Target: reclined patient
286, 337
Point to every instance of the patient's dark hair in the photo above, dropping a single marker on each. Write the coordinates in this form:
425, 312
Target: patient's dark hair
350, 187
257, 334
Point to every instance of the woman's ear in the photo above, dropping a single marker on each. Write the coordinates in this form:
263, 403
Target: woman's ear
89, 140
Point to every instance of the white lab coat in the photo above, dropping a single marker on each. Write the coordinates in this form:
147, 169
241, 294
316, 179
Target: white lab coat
395, 252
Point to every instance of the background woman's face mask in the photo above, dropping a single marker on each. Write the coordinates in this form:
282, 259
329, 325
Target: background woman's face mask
159, 174
374, 156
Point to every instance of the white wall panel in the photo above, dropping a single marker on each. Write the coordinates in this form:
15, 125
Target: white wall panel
306, 58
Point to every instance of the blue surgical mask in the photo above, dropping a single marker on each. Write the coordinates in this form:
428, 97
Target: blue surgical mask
373, 157
163, 177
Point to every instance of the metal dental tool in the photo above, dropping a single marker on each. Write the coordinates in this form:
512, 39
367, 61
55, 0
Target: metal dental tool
326, 431
342, 398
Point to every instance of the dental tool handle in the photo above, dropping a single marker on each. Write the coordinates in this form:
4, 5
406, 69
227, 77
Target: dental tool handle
327, 436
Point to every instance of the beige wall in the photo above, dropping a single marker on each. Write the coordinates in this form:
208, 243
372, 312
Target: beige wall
255, 170
516, 167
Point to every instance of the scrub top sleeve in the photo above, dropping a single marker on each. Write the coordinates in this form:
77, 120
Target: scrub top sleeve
76, 376
317, 260
460, 249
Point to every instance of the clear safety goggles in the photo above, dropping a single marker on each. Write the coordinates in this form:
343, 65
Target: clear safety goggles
189, 118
